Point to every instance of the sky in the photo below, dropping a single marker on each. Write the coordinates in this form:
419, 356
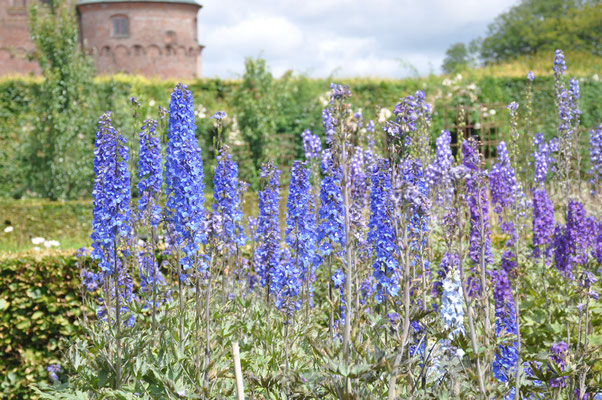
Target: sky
339, 38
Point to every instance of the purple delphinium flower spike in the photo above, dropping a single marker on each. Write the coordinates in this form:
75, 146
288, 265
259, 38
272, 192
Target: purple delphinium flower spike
312, 145
267, 253
226, 193
476, 196
382, 235
150, 174
595, 156
331, 228
506, 357
301, 229
111, 214
184, 178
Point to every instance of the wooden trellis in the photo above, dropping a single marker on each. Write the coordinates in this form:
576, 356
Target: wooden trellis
484, 122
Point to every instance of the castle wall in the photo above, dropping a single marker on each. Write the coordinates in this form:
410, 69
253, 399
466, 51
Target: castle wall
162, 38
15, 43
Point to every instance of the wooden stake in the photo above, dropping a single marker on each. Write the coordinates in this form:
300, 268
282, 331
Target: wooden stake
240, 391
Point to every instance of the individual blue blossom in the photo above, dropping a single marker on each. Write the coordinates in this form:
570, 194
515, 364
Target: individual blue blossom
184, 178
226, 193
267, 253
382, 234
331, 214
506, 357
595, 156
53, 372
530, 76
312, 145
370, 126
150, 174
480, 231
111, 213
219, 115
301, 228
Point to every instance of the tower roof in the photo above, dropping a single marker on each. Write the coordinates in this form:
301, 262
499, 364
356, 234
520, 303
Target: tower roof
84, 2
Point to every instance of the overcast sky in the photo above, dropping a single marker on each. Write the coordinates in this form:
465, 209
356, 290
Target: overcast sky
343, 38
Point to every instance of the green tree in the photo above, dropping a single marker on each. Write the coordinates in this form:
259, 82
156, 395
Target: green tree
57, 157
544, 25
456, 58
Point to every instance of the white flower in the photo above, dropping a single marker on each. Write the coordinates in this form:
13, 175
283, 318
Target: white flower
595, 77
141, 243
472, 86
51, 243
446, 82
151, 103
38, 240
9, 229
492, 112
201, 111
36, 248
383, 115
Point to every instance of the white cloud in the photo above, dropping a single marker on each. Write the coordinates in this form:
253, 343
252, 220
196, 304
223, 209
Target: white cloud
386, 38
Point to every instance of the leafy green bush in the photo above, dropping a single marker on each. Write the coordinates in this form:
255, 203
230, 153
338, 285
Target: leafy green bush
39, 305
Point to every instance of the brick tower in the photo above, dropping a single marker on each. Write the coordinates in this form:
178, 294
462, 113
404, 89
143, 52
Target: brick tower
149, 37
15, 43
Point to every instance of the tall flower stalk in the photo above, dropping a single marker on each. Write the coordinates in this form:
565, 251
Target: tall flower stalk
150, 180
184, 207
301, 231
267, 253
111, 220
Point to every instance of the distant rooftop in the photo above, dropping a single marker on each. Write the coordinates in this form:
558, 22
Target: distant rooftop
82, 2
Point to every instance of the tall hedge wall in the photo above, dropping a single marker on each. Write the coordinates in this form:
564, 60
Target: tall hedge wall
283, 107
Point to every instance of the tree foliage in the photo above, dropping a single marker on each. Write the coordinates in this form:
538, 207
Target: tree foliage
535, 26
456, 58
543, 25
57, 159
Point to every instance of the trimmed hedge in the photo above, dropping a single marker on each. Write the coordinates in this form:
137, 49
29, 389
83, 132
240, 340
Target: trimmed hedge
293, 105
39, 305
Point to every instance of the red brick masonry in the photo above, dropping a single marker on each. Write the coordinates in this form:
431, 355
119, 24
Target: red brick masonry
162, 39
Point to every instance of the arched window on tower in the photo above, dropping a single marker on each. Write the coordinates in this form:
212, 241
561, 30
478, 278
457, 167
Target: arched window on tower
121, 26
